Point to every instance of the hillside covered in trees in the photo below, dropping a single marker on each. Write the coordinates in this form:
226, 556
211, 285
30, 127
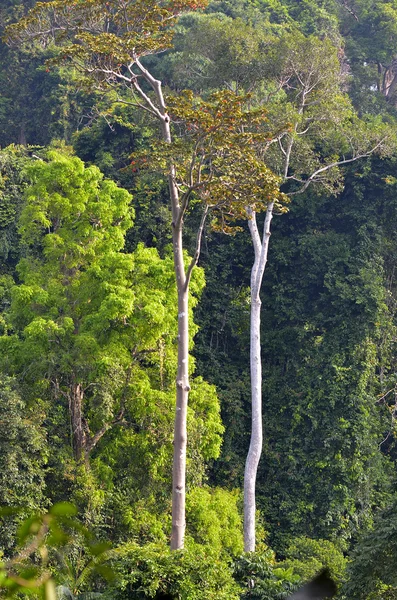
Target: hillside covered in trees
198, 298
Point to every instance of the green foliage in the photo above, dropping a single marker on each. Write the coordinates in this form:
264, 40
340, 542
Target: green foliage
371, 574
23, 455
84, 311
42, 539
325, 406
109, 143
204, 421
12, 185
76, 288
83, 29
36, 104
312, 17
153, 571
86, 316
309, 128
376, 21
308, 557
260, 577
325, 325
214, 51
213, 519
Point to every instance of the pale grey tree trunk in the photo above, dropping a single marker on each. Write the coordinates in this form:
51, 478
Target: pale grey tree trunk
254, 453
182, 378
183, 276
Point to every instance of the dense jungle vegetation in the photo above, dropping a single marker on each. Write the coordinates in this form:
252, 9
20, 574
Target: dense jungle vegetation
285, 101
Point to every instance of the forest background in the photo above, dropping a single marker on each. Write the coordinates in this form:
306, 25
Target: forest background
88, 311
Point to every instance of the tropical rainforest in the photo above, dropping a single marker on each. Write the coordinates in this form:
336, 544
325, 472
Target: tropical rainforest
198, 298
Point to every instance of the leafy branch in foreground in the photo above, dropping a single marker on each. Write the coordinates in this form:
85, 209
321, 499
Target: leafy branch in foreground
30, 569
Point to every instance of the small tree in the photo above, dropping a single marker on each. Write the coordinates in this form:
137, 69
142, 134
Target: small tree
84, 316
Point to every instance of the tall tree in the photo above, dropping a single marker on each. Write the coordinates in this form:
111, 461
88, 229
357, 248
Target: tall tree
320, 114
114, 61
311, 78
107, 41
319, 132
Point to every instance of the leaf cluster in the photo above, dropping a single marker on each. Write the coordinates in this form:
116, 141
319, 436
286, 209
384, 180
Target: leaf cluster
217, 156
102, 35
261, 578
29, 570
198, 572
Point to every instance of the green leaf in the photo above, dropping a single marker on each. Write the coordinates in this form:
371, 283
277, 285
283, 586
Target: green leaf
63, 509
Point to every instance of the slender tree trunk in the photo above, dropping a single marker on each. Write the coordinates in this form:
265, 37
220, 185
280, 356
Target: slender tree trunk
182, 395
178, 206
182, 377
182, 284
255, 449
76, 417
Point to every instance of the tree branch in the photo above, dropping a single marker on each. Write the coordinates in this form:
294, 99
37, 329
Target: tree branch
196, 256
99, 434
155, 84
253, 227
335, 164
148, 101
137, 105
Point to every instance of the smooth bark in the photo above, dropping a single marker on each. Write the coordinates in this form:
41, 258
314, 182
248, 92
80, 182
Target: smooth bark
261, 247
178, 207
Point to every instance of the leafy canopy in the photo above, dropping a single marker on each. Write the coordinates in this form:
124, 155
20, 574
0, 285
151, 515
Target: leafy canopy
104, 35
218, 156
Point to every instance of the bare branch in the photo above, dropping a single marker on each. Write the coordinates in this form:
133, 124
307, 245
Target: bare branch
196, 256
338, 163
137, 105
145, 97
155, 85
281, 146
